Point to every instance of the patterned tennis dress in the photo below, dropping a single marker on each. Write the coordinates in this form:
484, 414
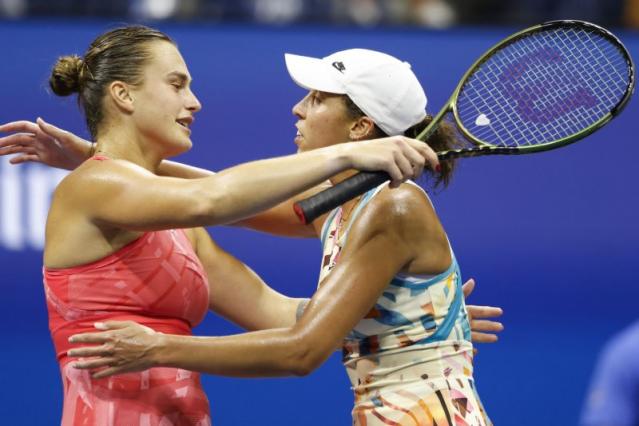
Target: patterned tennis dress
410, 359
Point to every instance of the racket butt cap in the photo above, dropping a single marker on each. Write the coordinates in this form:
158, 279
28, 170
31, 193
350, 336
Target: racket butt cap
300, 213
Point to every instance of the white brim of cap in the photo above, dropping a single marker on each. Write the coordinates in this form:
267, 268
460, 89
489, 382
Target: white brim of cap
313, 74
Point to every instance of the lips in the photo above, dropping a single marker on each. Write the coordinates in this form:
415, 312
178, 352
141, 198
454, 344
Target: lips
298, 136
185, 122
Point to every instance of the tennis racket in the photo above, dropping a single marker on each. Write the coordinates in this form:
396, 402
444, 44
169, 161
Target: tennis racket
539, 89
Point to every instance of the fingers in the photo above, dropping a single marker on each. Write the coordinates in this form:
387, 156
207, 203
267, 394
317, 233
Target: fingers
483, 331
90, 337
405, 165
19, 126
51, 130
415, 155
16, 149
408, 161
484, 311
99, 363
478, 337
415, 158
90, 351
402, 158
426, 152
24, 159
17, 139
103, 336
114, 325
404, 170
486, 325
93, 363
468, 287
108, 372
121, 345
395, 174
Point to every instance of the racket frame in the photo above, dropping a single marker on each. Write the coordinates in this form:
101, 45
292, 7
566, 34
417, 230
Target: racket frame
484, 148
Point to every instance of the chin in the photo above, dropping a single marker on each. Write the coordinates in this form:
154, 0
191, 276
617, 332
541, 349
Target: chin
175, 148
188, 145
302, 148
184, 148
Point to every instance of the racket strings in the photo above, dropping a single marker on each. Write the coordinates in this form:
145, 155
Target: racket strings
544, 87
605, 80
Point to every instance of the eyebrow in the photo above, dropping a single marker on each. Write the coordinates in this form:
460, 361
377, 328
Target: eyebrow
319, 93
180, 75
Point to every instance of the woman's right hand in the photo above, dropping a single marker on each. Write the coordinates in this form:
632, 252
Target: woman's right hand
124, 347
401, 157
44, 143
482, 319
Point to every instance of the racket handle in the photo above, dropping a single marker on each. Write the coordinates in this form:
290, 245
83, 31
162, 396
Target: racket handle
311, 208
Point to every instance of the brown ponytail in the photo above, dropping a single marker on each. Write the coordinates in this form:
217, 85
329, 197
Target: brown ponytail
444, 138
66, 75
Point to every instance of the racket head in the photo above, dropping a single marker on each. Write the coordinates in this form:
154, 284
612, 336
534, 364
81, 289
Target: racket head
542, 88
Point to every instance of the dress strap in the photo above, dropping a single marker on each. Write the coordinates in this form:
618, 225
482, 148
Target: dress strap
327, 224
368, 196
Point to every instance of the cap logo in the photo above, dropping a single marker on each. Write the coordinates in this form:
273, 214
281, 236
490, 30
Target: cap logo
339, 66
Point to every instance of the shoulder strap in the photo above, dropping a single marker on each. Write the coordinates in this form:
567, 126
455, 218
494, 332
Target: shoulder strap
327, 225
368, 196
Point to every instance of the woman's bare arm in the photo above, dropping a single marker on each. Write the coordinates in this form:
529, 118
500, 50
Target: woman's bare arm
345, 297
237, 293
45, 143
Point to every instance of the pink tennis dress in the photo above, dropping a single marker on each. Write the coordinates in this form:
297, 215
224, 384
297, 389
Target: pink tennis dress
157, 280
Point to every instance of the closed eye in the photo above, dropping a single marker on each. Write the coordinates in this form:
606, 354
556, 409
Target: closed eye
178, 80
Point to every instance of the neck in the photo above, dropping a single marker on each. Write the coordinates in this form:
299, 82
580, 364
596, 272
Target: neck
349, 206
118, 143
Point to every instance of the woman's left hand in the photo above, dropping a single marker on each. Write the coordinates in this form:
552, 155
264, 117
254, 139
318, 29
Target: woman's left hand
124, 347
44, 143
482, 325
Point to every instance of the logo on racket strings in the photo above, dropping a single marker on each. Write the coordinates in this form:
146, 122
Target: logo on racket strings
542, 100
482, 120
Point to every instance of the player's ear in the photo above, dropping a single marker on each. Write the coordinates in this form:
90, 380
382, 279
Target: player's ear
362, 128
121, 96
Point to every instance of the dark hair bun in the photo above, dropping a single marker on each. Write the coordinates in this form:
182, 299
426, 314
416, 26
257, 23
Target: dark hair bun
66, 75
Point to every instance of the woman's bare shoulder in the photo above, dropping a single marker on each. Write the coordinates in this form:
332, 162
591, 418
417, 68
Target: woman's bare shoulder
94, 176
407, 204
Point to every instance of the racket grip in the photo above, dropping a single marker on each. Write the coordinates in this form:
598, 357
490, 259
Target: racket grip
311, 208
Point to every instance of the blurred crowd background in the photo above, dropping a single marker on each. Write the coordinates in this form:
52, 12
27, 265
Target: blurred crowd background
419, 13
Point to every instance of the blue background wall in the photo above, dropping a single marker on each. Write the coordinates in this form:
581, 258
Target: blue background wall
552, 238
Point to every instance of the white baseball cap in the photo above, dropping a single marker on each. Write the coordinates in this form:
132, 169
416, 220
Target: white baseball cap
382, 86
